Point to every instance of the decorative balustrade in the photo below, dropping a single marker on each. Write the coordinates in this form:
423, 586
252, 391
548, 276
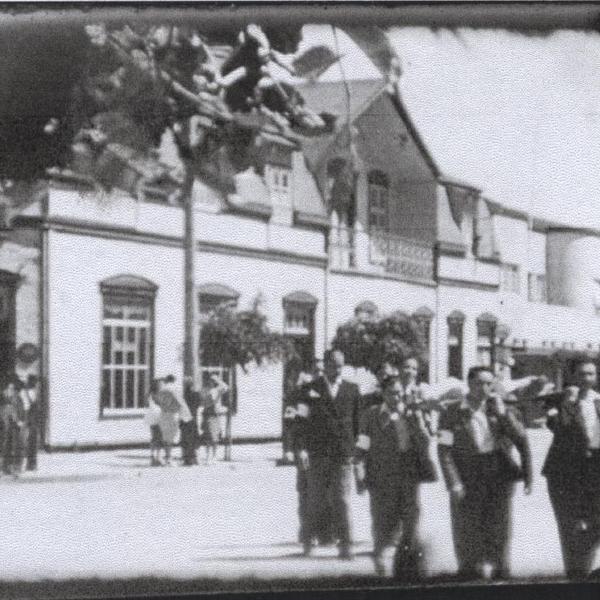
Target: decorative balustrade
381, 252
407, 258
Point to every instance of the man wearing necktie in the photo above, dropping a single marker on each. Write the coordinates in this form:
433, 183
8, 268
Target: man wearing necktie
475, 440
572, 469
392, 447
325, 439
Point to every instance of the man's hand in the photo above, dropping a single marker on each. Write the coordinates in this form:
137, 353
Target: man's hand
457, 491
497, 405
527, 488
289, 456
303, 460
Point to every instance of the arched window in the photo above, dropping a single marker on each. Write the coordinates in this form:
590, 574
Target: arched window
127, 343
212, 295
378, 201
456, 322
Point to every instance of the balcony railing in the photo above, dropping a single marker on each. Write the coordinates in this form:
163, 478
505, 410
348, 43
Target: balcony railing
404, 257
382, 253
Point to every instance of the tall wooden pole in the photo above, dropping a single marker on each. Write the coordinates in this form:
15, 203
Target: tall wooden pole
191, 339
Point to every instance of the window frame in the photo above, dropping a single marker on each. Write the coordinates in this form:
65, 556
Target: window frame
378, 182
127, 291
515, 282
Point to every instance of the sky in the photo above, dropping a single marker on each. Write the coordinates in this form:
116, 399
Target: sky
516, 115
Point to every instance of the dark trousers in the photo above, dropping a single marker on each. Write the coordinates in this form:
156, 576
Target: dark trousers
395, 516
32, 447
189, 443
481, 521
14, 448
576, 501
394, 513
330, 484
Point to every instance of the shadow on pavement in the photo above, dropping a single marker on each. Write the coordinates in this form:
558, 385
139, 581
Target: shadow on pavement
81, 478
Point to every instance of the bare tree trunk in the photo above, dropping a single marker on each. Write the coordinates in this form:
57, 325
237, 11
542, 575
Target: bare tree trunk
191, 341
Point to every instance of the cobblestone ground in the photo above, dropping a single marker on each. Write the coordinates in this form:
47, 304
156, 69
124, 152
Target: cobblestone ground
109, 515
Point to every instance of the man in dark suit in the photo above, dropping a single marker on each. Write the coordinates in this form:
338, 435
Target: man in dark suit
572, 469
476, 437
391, 452
325, 446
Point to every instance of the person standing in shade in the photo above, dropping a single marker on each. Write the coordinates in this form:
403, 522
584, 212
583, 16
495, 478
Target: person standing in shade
572, 469
31, 393
392, 459
475, 441
326, 439
189, 428
14, 416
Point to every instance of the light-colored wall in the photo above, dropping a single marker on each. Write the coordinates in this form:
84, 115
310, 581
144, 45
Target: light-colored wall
77, 265
75, 307
573, 268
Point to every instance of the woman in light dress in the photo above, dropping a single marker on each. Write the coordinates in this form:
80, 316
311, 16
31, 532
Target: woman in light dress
172, 409
212, 408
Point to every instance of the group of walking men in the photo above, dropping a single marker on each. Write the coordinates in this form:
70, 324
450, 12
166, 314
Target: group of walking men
383, 442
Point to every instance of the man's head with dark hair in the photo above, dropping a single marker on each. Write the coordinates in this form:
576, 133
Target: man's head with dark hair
334, 363
474, 372
481, 381
169, 379
586, 373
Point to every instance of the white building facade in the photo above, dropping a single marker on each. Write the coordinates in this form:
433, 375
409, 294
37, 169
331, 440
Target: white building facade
91, 285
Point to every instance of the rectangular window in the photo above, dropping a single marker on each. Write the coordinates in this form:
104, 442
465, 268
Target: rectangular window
510, 278
455, 348
378, 207
278, 180
536, 287
126, 354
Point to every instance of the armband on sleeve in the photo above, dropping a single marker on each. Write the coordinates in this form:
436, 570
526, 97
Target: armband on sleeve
445, 437
302, 410
363, 442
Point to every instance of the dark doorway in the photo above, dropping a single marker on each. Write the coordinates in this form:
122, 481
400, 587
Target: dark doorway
8, 283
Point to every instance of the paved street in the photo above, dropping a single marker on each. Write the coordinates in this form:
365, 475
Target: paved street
109, 515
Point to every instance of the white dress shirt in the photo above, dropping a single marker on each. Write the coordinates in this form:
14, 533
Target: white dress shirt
335, 386
591, 419
481, 430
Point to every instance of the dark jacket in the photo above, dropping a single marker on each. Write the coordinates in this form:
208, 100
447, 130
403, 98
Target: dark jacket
569, 449
392, 446
458, 452
327, 426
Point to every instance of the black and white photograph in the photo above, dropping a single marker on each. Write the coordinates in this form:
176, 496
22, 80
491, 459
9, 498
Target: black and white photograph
298, 296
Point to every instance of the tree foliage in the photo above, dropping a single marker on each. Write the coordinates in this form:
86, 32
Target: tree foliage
231, 337
139, 81
369, 343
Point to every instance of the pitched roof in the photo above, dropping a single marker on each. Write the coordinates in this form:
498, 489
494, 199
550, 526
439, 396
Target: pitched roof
330, 96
